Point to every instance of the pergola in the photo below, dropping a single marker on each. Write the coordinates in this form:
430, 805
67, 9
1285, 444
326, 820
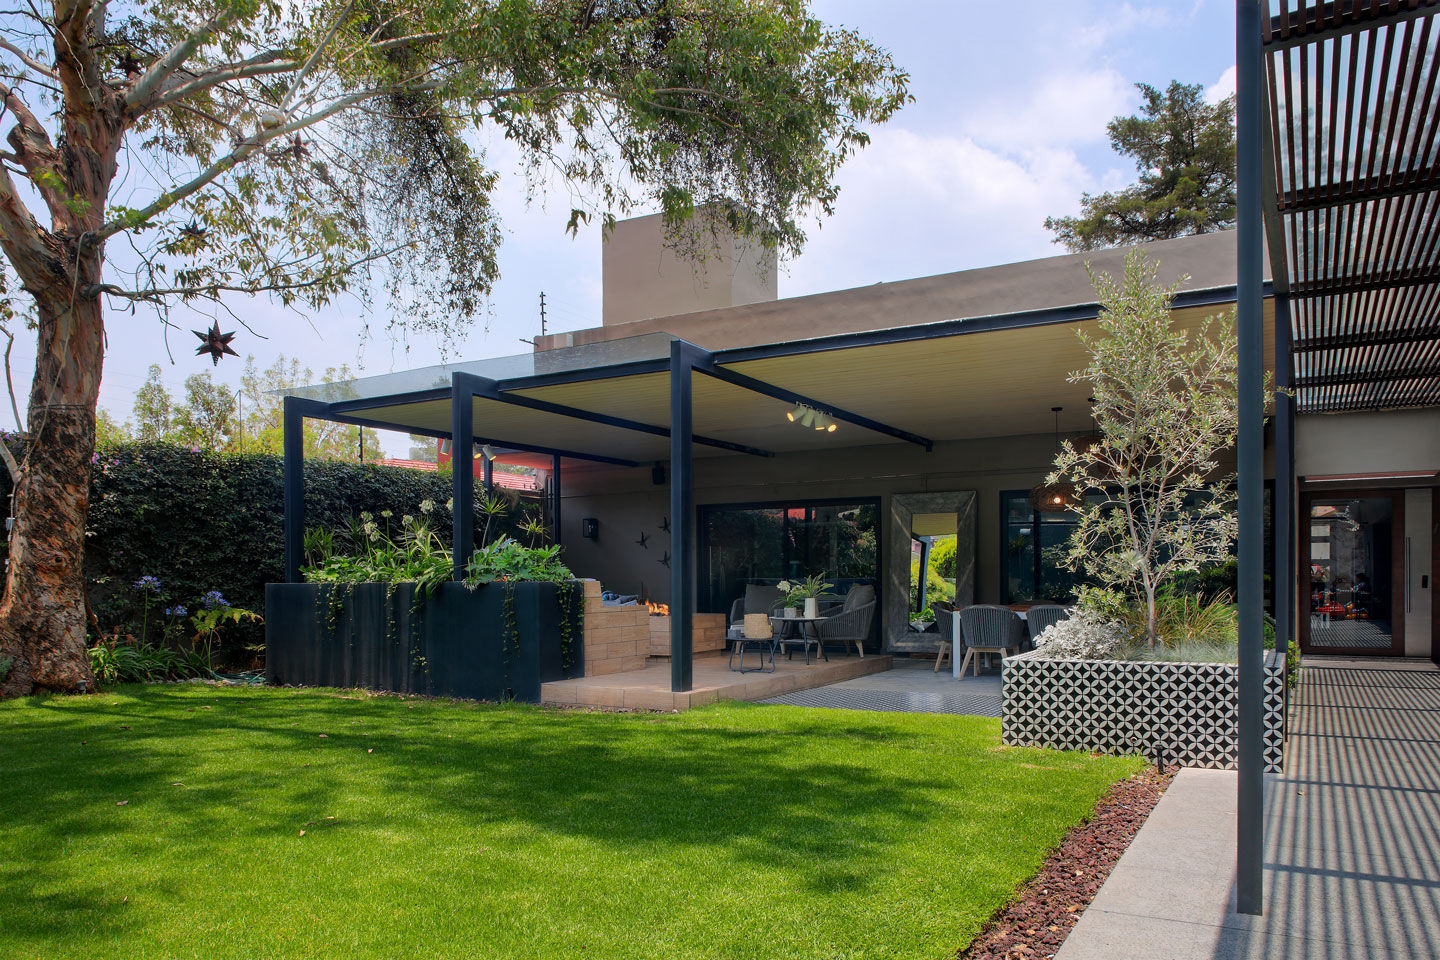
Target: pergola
1338, 116
656, 400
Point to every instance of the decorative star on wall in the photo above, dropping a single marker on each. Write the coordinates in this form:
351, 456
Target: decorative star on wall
644, 540
665, 524
215, 343
665, 560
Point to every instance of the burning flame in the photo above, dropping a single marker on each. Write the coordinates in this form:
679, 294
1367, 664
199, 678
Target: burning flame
658, 609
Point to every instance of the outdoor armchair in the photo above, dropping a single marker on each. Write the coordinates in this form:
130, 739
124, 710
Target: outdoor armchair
852, 622
986, 629
758, 598
1040, 618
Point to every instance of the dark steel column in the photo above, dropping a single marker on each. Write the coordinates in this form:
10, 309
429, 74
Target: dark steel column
293, 428
1283, 508
462, 471
1249, 876
555, 499
487, 475
682, 502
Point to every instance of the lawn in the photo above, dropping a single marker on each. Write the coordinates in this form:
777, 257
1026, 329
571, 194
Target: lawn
212, 822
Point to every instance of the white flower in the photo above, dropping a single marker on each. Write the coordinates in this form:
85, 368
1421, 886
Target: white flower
427, 505
784, 585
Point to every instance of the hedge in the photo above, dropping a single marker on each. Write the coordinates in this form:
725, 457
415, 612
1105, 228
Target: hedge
201, 521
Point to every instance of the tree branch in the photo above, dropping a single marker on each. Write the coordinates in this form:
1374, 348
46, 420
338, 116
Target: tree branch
257, 66
156, 294
27, 60
138, 96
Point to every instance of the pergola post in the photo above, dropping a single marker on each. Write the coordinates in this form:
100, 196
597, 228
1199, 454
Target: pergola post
555, 499
462, 471
294, 412
1250, 835
1283, 507
487, 475
683, 357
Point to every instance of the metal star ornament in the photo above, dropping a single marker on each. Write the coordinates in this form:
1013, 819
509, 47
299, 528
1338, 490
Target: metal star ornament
215, 343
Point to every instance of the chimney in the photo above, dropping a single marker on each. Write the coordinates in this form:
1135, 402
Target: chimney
645, 278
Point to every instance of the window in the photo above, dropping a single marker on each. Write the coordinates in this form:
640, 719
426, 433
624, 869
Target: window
1034, 575
767, 542
1031, 576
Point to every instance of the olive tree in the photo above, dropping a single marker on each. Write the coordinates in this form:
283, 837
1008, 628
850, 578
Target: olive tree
163, 151
1150, 497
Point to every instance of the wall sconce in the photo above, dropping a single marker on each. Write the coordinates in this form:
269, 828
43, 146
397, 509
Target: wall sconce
590, 528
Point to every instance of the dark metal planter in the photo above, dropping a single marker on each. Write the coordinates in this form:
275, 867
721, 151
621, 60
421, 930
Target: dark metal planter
452, 643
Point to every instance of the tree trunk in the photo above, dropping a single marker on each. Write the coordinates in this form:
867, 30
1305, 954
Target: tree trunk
42, 617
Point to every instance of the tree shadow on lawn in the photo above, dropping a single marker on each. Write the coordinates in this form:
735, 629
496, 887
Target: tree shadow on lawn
778, 789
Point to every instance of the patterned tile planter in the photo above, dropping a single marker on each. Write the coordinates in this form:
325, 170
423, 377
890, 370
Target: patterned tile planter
1187, 711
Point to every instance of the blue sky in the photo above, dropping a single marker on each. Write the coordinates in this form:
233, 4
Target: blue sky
1007, 127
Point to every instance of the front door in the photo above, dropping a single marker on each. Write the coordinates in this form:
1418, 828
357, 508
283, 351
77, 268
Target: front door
1352, 577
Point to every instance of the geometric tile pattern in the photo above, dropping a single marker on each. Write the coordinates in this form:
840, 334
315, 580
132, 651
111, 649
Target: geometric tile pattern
1185, 712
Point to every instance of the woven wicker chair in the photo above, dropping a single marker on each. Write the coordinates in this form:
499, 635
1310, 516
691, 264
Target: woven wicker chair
852, 622
1040, 618
987, 629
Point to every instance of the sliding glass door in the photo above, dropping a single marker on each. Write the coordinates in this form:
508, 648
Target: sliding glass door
1352, 573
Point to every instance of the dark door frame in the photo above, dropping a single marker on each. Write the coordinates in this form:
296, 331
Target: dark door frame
1396, 497
1434, 570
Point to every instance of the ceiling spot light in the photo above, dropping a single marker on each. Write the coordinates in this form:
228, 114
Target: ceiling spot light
797, 413
809, 419
487, 452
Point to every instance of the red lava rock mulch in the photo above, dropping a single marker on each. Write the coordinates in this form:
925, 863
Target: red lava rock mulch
1036, 922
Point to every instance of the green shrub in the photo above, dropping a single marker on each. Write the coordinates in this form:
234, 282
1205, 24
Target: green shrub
201, 521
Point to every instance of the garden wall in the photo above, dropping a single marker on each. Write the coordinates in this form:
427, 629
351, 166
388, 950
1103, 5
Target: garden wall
493, 642
1188, 711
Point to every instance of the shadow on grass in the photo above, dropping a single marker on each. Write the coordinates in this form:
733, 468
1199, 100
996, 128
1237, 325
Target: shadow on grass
781, 789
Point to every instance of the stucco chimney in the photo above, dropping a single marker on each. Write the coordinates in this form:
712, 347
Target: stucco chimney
644, 277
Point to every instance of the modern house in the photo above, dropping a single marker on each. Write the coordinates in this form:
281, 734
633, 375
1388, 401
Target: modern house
939, 398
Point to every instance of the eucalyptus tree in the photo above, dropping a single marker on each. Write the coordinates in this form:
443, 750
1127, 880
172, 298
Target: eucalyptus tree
189, 149
1149, 495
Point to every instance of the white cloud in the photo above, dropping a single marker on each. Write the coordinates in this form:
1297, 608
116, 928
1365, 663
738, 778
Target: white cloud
1221, 88
962, 205
1062, 109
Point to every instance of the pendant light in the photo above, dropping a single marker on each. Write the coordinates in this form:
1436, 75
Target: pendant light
1054, 497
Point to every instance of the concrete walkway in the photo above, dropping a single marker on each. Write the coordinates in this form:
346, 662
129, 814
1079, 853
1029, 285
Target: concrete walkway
1352, 859
911, 686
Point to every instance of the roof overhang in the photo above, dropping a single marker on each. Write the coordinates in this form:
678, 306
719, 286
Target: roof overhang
928, 383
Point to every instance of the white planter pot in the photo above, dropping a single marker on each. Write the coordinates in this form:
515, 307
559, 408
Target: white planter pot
791, 613
812, 607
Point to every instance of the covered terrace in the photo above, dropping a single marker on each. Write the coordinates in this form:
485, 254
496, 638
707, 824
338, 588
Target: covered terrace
668, 406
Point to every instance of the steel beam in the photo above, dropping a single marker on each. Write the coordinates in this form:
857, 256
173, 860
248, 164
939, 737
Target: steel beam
294, 412
712, 369
1283, 506
555, 500
563, 410
684, 359
462, 472
1250, 477
508, 445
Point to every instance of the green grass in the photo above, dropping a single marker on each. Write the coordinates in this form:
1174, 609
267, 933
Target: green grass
442, 829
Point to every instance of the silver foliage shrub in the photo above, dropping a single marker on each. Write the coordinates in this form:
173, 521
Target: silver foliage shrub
1085, 635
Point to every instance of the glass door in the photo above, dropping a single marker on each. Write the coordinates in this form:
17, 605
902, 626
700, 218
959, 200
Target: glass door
1352, 573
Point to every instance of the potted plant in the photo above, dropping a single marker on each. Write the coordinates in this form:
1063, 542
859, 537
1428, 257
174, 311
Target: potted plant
807, 592
923, 619
792, 610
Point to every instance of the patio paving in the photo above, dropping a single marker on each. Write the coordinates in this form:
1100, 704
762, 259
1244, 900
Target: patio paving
911, 686
712, 679
1352, 868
